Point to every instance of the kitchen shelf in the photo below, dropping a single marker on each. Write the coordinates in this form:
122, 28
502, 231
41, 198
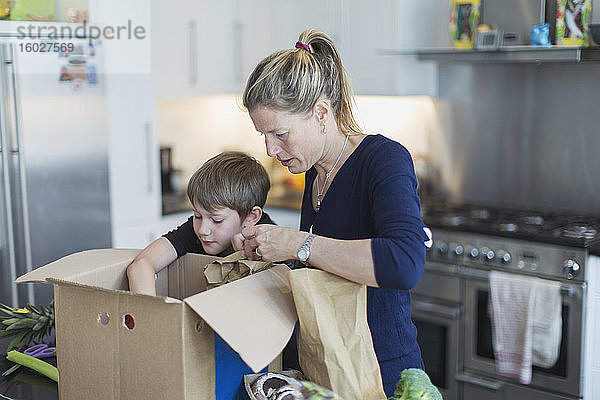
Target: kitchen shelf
508, 54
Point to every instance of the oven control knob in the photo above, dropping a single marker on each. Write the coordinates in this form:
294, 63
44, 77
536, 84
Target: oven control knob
458, 250
571, 268
473, 252
487, 253
504, 256
442, 248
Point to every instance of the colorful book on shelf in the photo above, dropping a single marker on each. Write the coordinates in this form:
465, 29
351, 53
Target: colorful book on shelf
464, 19
573, 22
32, 10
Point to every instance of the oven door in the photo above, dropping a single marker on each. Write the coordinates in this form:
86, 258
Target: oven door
564, 377
437, 334
476, 388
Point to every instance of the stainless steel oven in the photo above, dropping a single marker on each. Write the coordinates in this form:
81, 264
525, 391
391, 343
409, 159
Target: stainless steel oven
437, 314
562, 379
456, 280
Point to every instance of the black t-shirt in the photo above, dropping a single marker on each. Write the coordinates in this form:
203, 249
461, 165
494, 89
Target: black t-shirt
184, 239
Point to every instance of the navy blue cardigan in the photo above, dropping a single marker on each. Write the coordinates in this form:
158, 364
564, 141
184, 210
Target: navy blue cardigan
374, 196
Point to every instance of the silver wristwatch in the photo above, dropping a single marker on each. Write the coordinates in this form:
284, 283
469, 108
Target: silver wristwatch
304, 250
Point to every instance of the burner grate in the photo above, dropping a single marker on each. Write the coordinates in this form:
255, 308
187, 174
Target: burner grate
579, 231
534, 225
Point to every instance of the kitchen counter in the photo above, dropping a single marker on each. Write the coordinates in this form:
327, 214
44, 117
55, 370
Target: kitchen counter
173, 203
286, 203
25, 384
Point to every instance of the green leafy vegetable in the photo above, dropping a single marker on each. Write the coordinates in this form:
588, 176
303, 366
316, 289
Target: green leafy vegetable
414, 384
27, 325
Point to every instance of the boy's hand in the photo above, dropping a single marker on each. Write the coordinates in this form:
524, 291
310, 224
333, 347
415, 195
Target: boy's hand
237, 242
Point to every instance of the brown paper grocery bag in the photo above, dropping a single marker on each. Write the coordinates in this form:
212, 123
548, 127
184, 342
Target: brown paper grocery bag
231, 268
334, 341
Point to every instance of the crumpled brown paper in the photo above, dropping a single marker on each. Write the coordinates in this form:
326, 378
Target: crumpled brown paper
231, 268
335, 348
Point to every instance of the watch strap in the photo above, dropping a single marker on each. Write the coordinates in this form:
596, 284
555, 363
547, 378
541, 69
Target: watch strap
306, 247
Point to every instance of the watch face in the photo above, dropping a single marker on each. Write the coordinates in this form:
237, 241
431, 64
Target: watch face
303, 254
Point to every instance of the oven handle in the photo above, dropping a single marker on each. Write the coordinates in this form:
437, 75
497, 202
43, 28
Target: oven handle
446, 312
484, 275
477, 381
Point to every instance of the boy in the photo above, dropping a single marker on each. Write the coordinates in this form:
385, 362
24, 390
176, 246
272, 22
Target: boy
227, 194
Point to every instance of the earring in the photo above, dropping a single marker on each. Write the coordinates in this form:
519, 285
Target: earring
324, 130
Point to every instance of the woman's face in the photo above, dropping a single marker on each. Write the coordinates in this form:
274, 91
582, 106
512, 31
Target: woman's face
295, 140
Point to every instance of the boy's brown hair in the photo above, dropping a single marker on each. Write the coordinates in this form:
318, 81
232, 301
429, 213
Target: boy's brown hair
230, 179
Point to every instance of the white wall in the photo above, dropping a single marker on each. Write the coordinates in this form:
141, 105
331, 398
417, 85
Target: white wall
199, 128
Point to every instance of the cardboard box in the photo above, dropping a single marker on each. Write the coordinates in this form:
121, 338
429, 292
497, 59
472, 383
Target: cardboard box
114, 344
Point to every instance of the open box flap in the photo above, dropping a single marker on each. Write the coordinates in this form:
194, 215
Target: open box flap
81, 264
255, 315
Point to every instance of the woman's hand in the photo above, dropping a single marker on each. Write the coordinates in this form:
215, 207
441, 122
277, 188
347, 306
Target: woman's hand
350, 259
273, 243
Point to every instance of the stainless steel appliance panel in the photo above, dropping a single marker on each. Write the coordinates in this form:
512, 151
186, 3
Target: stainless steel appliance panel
437, 314
514, 16
518, 135
535, 259
437, 283
437, 335
477, 387
8, 254
59, 167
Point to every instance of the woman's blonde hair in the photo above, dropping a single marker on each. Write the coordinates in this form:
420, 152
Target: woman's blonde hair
293, 80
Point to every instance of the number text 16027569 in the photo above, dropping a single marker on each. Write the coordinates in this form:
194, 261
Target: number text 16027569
46, 47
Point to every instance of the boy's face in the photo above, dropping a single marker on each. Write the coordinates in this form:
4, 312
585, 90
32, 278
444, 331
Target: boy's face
215, 229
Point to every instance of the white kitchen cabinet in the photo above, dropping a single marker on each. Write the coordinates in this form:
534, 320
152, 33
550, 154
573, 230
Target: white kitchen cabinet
172, 221
134, 152
194, 48
367, 27
174, 72
207, 47
202, 47
415, 26
133, 145
141, 235
362, 31
270, 25
371, 28
134, 237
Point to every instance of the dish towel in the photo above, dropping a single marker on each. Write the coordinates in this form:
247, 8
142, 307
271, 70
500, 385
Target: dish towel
547, 323
512, 300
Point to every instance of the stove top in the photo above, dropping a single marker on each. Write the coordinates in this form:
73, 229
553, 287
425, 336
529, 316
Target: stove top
560, 229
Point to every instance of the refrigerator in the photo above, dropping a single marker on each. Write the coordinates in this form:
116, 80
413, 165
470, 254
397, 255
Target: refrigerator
54, 179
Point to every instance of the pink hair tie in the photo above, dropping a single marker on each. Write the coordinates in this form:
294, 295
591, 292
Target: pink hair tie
300, 45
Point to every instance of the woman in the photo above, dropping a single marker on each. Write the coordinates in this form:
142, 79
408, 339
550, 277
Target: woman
360, 211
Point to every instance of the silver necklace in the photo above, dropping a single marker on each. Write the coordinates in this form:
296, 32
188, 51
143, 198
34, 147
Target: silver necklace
327, 175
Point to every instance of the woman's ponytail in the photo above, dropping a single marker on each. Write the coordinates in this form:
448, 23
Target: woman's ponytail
293, 80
